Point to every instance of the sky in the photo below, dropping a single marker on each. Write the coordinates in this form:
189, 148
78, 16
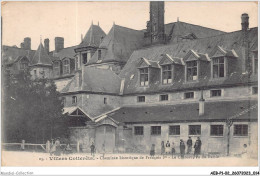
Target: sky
72, 19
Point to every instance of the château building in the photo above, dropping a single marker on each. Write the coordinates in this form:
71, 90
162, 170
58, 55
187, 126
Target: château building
129, 89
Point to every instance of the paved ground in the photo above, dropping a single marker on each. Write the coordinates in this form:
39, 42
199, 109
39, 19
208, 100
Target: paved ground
23, 158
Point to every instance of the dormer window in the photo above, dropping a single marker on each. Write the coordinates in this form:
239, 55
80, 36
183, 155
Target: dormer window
167, 74
66, 67
24, 64
192, 70
99, 54
74, 100
56, 69
218, 67
144, 77
85, 58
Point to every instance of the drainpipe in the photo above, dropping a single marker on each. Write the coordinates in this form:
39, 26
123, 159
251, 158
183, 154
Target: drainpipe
229, 123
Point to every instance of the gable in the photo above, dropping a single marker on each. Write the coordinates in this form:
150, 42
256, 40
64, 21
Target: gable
191, 57
165, 60
143, 63
218, 52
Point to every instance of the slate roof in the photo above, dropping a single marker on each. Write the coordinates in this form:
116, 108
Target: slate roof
118, 45
183, 30
214, 111
41, 57
12, 54
204, 46
65, 52
93, 37
95, 80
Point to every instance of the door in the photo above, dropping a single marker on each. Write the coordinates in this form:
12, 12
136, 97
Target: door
105, 134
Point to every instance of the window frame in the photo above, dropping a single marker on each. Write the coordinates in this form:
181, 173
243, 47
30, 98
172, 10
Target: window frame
74, 100
156, 130
186, 93
243, 128
66, 66
195, 134
176, 132
138, 99
105, 100
192, 68
212, 95
99, 54
56, 68
166, 95
212, 133
84, 57
144, 76
24, 64
218, 64
167, 74
140, 131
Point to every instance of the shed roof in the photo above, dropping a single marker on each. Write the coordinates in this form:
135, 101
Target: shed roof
214, 111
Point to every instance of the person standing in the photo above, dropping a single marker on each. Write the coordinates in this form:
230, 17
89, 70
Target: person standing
182, 148
173, 149
189, 144
58, 148
199, 145
168, 147
196, 149
162, 148
92, 149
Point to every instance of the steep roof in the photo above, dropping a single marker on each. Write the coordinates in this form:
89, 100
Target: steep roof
95, 80
41, 57
12, 54
66, 52
93, 36
229, 41
118, 45
214, 111
184, 30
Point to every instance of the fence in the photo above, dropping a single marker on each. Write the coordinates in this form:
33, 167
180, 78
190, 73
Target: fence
35, 147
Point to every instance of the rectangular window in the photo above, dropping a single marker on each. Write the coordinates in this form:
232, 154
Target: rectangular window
35, 73
174, 130
192, 70
155, 130
216, 130
99, 54
194, 129
74, 100
56, 68
218, 67
254, 90
240, 130
105, 100
141, 99
66, 67
188, 95
139, 130
85, 58
163, 97
215, 93
167, 74
144, 76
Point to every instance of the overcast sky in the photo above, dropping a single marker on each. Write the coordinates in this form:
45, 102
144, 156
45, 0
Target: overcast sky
71, 19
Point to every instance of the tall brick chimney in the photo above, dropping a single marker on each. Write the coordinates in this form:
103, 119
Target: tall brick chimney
27, 43
246, 63
59, 43
46, 45
244, 21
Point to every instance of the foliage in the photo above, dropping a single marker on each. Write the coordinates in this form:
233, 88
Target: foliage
31, 109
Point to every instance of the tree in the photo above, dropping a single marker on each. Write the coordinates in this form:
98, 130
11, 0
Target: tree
32, 109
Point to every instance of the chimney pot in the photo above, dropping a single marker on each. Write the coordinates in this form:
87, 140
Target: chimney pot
244, 21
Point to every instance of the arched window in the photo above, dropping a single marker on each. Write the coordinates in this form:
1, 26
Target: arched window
74, 100
66, 67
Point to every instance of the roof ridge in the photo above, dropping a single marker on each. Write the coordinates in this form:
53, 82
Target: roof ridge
128, 28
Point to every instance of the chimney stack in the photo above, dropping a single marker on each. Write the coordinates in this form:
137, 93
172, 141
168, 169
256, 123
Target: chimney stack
59, 43
46, 45
244, 21
201, 104
22, 45
27, 43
